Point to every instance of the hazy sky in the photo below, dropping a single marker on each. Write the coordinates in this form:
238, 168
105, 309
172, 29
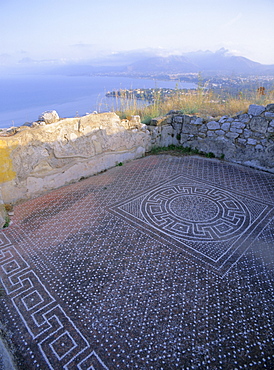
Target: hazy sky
83, 29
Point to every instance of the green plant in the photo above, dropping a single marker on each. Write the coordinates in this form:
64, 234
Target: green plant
7, 222
120, 164
210, 155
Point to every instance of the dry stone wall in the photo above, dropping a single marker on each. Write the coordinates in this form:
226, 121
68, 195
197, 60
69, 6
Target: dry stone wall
247, 138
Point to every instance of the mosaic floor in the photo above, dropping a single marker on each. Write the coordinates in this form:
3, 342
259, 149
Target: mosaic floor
162, 263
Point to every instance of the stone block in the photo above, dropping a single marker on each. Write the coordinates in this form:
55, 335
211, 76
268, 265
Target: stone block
269, 115
232, 135
213, 125
247, 133
270, 108
225, 126
158, 121
3, 215
223, 119
49, 117
197, 121
220, 132
251, 141
188, 128
178, 119
238, 124
244, 118
256, 110
259, 147
234, 129
259, 124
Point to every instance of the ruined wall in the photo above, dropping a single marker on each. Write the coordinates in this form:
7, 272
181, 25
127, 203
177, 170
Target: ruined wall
47, 156
247, 138
40, 158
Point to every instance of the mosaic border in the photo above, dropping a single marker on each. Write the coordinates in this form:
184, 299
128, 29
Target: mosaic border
60, 342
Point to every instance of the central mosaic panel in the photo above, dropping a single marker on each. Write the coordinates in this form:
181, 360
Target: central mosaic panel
210, 224
195, 212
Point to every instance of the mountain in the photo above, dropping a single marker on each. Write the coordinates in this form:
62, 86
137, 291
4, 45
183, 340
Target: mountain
213, 63
170, 64
148, 62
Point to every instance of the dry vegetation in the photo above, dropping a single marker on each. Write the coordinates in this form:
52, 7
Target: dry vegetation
200, 103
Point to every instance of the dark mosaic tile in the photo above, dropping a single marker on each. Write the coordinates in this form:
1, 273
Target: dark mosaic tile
110, 279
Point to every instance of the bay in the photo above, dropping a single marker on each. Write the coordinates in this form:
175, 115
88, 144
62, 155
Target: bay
25, 98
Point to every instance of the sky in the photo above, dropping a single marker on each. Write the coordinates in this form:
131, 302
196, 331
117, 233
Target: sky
64, 31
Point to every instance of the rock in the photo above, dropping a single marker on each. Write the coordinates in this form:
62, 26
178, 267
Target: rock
220, 132
242, 141
158, 121
269, 115
235, 129
223, 119
232, 135
270, 108
178, 119
225, 126
198, 121
213, 125
244, 118
251, 141
259, 124
238, 125
49, 117
3, 215
256, 110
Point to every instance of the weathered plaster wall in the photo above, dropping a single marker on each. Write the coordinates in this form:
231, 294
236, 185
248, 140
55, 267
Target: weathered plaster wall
45, 157
246, 138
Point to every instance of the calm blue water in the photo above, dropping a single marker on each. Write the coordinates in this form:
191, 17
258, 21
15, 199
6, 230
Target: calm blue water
24, 98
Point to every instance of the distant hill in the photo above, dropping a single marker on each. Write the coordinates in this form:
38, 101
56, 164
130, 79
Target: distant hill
149, 62
220, 62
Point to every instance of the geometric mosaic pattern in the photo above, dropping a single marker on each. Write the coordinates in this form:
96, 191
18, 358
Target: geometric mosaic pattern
60, 342
163, 263
210, 224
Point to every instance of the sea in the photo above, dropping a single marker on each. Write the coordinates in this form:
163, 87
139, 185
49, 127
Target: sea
24, 98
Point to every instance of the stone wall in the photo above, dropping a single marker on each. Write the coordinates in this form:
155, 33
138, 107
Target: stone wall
47, 156
247, 138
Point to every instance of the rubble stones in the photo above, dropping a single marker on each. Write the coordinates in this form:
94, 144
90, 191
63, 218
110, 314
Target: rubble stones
256, 110
270, 108
49, 117
239, 135
259, 124
213, 125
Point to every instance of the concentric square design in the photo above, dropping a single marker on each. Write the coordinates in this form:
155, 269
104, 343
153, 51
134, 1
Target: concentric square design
210, 224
